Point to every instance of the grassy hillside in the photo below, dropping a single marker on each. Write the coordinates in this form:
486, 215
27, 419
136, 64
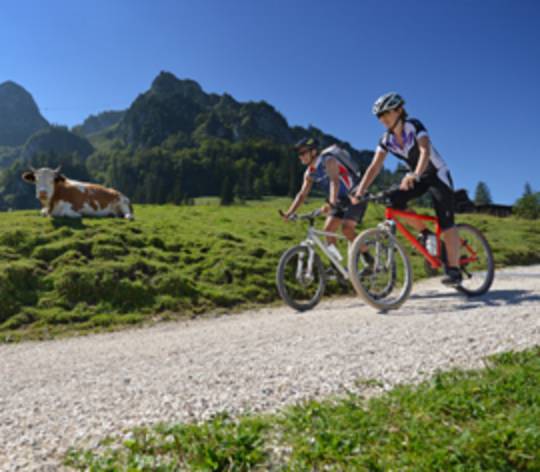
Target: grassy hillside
472, 420
65, 276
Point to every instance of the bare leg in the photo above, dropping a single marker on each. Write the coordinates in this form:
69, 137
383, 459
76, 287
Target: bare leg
451, 239
349, 229
331, 225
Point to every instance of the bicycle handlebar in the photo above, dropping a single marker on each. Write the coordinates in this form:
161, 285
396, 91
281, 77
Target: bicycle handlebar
306, 216
379, 197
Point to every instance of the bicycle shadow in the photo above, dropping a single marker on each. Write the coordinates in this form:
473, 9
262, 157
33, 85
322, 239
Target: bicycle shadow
494, 298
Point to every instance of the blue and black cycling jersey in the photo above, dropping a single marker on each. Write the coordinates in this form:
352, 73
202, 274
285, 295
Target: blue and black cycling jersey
317, 173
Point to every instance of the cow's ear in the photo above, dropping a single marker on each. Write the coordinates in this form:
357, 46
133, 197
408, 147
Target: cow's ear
29, 177
60, 178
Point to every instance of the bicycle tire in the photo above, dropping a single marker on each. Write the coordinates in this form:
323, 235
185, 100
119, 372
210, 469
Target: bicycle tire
490, 270
378, 302
280, 279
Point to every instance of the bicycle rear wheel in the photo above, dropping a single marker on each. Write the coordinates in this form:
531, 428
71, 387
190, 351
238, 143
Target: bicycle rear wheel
300, 278
386, 283
476, 261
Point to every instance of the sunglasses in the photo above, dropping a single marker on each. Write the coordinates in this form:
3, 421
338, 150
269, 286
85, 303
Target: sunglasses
382, 114
302, 152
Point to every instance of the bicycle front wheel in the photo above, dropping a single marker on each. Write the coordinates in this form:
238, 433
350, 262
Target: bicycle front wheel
300, 278
475, 260
383, 277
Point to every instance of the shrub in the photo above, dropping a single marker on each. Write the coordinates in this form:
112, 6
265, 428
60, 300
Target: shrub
19, 283
528, 207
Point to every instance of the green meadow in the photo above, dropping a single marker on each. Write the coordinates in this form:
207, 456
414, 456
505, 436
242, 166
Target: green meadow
61, 276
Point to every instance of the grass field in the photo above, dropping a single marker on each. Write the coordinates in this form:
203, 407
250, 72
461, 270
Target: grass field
474, 420
66, 277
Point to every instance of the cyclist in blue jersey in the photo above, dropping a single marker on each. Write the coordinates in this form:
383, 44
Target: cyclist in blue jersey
326, 170
409, 141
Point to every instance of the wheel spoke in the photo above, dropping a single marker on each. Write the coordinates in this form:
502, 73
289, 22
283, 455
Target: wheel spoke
300, 278
385, 283
476, 261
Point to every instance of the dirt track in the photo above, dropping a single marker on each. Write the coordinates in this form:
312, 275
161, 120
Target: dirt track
55, 394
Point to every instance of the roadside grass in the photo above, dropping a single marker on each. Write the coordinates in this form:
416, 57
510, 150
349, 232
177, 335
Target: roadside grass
486, 419
63, 277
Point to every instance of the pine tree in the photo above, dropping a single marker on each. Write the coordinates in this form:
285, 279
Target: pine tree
258, 188
227, 195
482, 195
528, 206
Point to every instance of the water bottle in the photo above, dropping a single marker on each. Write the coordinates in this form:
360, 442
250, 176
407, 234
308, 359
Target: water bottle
431, 244
332, 249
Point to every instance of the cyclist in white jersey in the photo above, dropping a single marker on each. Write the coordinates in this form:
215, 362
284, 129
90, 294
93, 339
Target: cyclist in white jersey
409, 141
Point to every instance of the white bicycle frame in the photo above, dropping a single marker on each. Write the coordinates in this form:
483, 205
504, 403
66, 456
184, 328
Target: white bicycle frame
312, 241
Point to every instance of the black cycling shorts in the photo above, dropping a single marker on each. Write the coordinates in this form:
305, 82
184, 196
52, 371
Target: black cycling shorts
345, 210
442, 195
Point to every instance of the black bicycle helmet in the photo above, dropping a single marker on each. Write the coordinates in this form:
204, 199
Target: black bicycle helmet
307, 142
389, 101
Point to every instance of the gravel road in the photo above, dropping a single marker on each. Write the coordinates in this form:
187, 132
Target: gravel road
56, 394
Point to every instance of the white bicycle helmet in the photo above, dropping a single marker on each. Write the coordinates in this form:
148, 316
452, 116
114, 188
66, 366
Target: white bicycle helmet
387, 102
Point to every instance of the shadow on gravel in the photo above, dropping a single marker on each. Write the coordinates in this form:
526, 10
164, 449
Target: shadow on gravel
492, 298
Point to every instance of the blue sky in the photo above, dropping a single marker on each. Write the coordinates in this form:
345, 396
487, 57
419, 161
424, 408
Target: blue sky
468, 69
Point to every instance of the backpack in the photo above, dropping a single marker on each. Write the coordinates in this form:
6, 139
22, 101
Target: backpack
345, 159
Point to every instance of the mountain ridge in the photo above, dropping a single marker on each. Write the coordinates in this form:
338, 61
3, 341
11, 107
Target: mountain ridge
173, 143
19, 115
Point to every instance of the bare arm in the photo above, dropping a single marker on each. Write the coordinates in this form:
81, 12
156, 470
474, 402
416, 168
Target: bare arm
425, 150
372, 172
332, 169
300, 196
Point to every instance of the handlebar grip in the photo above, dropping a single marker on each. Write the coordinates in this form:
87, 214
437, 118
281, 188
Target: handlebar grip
290, 218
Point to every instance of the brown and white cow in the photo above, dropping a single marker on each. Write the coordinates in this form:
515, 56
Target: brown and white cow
60, 196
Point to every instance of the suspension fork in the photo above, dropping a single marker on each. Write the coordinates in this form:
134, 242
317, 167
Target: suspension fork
311, 257
389, 226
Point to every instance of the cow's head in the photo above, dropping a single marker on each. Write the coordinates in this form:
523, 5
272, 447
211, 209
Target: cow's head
45, 180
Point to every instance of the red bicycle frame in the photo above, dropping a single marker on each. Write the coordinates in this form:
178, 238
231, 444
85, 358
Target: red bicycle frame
435, 261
